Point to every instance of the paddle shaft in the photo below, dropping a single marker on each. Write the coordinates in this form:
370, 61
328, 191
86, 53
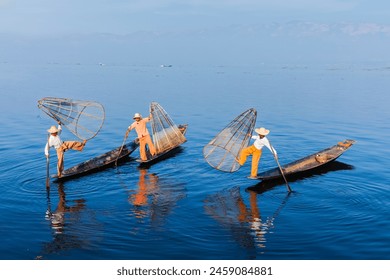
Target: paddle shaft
47, 163
47, 166
284, 177
280, 168
120, 151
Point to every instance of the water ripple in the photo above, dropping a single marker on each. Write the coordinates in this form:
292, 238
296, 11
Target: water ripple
181, 208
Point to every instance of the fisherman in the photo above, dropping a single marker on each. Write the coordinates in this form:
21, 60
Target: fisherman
144, 138
55, 141
256, 150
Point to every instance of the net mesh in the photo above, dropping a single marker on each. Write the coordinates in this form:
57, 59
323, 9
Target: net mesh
223, 151
166, 135
83, 118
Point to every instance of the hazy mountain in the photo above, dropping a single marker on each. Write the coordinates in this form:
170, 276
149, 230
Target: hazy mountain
295, 41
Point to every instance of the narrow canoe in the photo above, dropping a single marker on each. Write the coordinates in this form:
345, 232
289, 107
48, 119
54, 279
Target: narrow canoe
308, 163
98, 163
264, 185
152, 159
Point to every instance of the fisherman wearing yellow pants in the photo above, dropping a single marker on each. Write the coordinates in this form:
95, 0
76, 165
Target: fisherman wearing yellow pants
256, 150
61, 146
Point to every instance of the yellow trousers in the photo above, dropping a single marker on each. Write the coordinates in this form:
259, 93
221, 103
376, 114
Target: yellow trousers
256, 154
67, 145
143, 141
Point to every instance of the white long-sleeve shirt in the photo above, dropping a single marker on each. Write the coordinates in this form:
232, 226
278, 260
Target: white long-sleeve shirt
261, 142
53, 141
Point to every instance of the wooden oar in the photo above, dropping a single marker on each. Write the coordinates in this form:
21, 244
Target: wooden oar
47, 165
120, 151
284, 177
48, 211
280, 168
47, 172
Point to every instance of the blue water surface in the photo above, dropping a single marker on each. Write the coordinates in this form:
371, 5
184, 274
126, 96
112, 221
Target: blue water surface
181, 208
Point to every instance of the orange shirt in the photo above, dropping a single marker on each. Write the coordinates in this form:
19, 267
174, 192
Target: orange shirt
140, 127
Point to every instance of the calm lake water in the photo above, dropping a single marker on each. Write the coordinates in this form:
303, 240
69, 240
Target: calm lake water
181, 208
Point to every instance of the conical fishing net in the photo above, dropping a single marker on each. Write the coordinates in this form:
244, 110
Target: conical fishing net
83, 118
166, 135
223, 151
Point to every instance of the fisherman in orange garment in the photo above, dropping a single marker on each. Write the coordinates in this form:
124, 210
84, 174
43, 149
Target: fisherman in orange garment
143, 135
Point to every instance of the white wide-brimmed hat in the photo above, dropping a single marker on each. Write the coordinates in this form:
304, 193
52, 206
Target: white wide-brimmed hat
137, 115
262, 131
52, 129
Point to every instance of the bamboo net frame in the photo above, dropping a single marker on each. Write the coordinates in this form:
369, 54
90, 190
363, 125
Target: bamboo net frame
223, 151
166, 134
83, 118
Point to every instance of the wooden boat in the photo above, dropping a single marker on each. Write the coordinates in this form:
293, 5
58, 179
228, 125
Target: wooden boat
98, 163
265, 185
308, 163
152, 159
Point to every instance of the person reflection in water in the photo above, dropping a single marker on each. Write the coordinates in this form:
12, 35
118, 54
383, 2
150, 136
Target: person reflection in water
252, 217
146, 187
230, 210
57, 218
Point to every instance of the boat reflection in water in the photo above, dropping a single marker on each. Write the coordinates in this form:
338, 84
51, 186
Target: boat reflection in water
154, 198
243, 220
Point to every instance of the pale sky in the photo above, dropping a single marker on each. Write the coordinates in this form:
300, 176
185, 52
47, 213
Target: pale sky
208, 25
128, 16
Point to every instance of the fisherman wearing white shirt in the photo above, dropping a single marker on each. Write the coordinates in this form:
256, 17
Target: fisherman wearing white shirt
55, 141
256, 150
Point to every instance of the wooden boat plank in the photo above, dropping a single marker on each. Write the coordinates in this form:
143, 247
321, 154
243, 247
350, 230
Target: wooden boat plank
99, 162
309, 162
